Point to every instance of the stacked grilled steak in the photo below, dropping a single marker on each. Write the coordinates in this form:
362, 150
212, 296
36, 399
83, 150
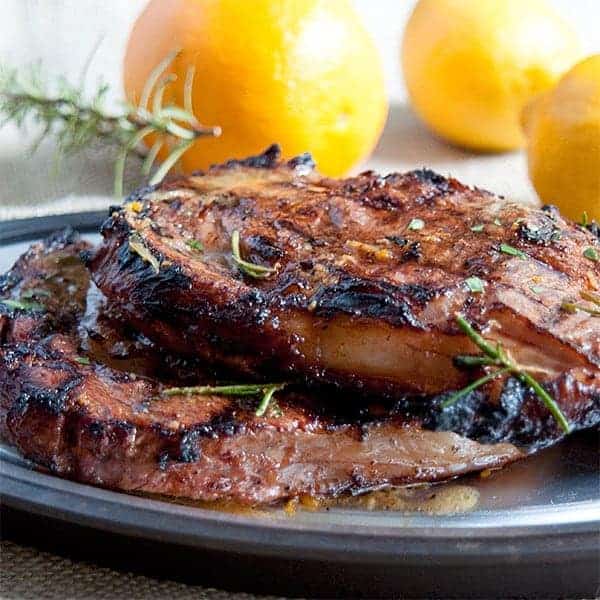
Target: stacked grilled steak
149, 363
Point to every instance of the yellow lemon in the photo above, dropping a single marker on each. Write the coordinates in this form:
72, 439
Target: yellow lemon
563, 141
302, 73
471, 65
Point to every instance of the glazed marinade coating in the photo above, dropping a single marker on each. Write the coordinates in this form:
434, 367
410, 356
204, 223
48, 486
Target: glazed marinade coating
352, 281
75, 396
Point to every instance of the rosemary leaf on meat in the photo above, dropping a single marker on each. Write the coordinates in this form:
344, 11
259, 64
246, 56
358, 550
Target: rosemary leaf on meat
591, 297
591, 254
495, 356
251, 269
510, 250
136, 245
34, 293
196, 245
416, 224
75, 119
21, 304
572, 307
265, 390
473, 386
475, 285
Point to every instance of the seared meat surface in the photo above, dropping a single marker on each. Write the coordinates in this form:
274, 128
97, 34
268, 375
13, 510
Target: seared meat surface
355, 282
46, 289
75, 397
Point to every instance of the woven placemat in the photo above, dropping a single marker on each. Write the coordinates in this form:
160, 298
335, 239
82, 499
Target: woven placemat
27, 573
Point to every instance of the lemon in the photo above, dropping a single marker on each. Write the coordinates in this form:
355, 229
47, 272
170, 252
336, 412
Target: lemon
471, 65
563, 142
302, 73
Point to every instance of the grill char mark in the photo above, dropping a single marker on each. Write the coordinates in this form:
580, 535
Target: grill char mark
371, 299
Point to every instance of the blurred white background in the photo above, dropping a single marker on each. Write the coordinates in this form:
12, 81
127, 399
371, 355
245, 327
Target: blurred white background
62, 34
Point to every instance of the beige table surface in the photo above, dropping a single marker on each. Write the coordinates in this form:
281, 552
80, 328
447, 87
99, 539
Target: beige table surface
27, 573
36, 185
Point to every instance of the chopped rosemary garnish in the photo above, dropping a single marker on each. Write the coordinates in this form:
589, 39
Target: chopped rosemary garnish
252, 389
476, 285
591, 297
507, 249
21, 304
468, 361
34, 293
536, 289
195, 245
76, 120
478, 228
251, 269
571, 307
473, 386
82, 360
136, 244
496, 356
584, 219
266, 399
416, 224
591, 254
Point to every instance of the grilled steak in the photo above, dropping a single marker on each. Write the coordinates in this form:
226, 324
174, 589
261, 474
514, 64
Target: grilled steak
354, 281
46, 289
74, 398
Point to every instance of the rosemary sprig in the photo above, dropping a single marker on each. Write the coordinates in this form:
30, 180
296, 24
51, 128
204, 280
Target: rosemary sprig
266, 389
76, 120
251, 269
496, 356
473, 386
475, 285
